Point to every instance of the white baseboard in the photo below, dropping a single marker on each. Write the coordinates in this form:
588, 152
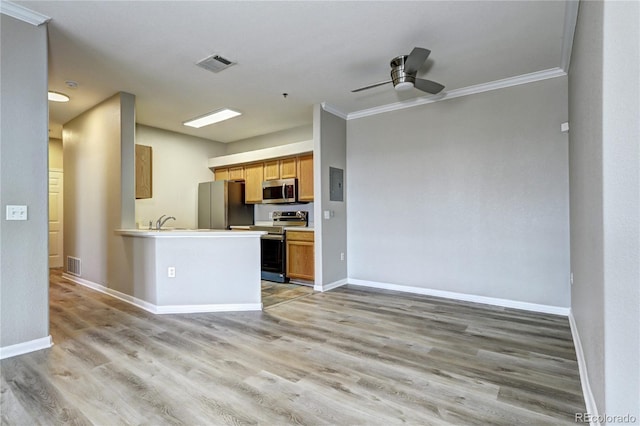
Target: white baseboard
26, 347
164, 309
149, 307
221, 307
506, 303
330, 286
589, 400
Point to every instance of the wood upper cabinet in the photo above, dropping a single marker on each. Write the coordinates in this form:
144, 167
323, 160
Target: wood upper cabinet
253, 177
229, 173
300, 255
284, 168
272, 170
288, 168
305, 177
236, 173
143, 172
221, 174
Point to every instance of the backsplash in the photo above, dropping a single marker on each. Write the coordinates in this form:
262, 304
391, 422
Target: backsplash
262, 211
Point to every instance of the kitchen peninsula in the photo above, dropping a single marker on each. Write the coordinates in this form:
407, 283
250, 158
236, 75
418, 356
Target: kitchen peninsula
186, 271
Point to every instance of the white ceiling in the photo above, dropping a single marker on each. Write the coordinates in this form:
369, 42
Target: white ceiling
314, 51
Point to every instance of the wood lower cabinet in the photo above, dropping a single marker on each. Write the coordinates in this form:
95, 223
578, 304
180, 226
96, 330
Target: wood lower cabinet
253, 177
305, 177
300, 255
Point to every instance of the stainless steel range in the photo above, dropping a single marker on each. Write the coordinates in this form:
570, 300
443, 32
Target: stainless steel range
273, 244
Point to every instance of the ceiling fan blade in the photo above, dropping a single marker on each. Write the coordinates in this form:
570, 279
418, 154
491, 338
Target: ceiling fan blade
428, 86
415, 60
371, 86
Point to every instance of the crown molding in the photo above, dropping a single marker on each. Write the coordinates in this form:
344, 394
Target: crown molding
465, 91
570, 20
333, 110
23, 14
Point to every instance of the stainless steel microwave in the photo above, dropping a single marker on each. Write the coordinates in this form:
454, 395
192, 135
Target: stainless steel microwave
280, 191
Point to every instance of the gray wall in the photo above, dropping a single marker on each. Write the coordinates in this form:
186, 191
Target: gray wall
604, 96
468, 195
585, 164
24, 280
284, 137
99, 187
179, 163
330, 145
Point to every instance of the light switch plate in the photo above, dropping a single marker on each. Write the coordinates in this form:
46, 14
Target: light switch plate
16, 212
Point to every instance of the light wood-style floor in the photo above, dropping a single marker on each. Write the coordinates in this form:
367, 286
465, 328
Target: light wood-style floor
276, 293
346, 357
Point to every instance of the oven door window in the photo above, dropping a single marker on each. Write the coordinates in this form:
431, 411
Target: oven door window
272, 255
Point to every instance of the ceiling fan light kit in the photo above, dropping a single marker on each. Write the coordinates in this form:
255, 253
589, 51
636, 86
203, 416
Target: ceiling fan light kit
403, 73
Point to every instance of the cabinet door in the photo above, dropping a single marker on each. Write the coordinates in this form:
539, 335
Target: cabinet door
221, 174
253, 174
305, 177
300, 260
236, 173
143, 171
271, 170
288, 168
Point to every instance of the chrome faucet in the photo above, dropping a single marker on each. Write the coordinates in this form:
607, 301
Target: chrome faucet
161, 221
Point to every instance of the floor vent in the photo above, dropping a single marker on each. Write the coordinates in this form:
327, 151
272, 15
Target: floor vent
215, 63
74, 266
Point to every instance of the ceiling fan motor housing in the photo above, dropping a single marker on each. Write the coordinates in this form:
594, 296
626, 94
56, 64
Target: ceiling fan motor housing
401, 79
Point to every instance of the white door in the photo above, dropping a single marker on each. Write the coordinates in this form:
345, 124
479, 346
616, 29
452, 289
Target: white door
55, 218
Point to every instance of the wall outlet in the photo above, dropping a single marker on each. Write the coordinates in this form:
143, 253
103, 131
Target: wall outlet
341, 256
270, 215
571, 278
171, 272
16, 212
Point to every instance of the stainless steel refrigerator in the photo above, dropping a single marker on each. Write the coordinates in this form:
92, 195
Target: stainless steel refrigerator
221, 205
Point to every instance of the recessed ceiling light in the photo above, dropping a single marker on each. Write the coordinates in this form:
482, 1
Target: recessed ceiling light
58, 97
212, 117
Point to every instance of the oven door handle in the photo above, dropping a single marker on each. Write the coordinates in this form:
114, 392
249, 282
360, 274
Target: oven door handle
273, 237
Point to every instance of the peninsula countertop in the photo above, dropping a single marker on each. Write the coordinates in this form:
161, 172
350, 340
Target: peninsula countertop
187, 233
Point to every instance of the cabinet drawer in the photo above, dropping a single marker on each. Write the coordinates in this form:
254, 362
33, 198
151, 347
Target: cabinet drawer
299, 235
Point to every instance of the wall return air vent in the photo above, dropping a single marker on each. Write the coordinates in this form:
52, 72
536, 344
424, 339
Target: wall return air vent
215, 63
74, 266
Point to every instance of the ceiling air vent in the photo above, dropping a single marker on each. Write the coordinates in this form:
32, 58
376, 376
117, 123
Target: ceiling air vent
215, 63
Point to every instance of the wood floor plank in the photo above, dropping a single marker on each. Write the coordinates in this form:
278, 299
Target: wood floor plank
348, 356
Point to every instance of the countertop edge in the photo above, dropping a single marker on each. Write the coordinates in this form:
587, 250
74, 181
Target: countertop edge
196, 233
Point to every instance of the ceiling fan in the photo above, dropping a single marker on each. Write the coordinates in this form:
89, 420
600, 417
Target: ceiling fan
403, 73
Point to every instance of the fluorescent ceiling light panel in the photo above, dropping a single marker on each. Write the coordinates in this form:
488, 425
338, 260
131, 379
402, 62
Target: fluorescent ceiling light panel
211, 118
57, 97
